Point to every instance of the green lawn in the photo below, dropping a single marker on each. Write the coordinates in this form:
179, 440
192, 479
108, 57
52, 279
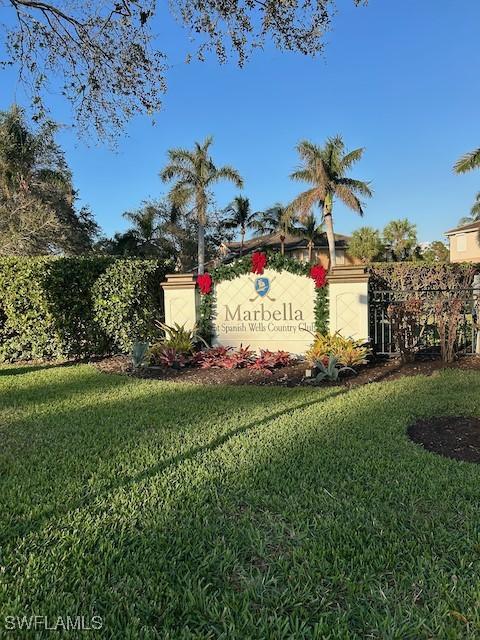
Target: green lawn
187, 512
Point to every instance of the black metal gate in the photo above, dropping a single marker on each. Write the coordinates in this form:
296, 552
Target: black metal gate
380, 323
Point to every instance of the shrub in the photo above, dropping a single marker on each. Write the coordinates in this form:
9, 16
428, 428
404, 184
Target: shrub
347, 351
268, 360
179, 338
225, 358
405, 317
73, 307
167, 357
127, 301
46, 308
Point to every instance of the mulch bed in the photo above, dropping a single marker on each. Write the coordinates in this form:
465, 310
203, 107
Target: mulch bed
449, 436
291, 376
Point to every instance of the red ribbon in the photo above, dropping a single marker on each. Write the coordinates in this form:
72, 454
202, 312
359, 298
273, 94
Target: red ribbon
259, 260
204, 282
319, 274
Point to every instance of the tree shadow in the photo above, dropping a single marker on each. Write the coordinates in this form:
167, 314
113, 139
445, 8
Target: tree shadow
24, 528
16, 370
324, 516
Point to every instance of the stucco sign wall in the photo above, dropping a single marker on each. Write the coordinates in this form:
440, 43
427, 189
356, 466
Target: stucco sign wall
268, 311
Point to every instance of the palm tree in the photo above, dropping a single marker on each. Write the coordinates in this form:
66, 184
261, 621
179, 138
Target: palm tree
468, 162
146, 228
402, 237
241, 217
309, 229
474, 212
365, 245
195, 174
276, 219
325, 168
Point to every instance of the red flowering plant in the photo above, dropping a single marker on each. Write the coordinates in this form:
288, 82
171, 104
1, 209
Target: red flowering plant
204, 281
268, 360
319, 275
259, 260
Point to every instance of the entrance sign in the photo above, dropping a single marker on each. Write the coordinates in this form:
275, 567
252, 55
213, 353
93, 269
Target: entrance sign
273, 311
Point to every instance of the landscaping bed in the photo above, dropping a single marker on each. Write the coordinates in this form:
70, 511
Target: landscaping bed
455, 437
290, 376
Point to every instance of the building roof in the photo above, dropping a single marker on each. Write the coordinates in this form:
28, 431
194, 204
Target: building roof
292, 242
471, 226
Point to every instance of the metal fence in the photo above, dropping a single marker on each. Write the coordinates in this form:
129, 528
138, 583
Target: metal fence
381, 332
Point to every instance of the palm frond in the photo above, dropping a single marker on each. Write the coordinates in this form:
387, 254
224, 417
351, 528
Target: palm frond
357, 186
468, 162
228, 173
172, 171
306, 200
351, 158
475, 210
347, 196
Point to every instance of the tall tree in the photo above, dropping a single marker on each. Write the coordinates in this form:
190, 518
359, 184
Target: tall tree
309, 229
401, 235
276, 219
195, 174
437, 251
325, 169
468, 162
365, 245
37, 199
159, 230
240, 217
474, 212
103, 56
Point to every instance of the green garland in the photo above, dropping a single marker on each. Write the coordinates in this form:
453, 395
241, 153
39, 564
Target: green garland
243, 266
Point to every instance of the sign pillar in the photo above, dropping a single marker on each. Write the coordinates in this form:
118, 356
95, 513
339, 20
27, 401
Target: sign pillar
181, 299
348, 301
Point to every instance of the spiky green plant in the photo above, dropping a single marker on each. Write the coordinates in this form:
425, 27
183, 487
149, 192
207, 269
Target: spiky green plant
139, 352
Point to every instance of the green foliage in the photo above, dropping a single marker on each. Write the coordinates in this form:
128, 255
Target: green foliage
401, 235
365, 244
76, 307
347, 351
178, 337
437, 251
139, 352
242, 266
329, 369
37, 198
247, 512
127, 301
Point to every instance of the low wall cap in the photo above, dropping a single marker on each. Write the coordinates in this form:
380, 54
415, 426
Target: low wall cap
349, 273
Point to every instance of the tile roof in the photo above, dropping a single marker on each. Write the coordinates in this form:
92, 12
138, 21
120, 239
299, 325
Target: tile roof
291, 242
472, 226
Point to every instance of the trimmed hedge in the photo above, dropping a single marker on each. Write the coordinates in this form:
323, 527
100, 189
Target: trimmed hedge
418, 275
78, 306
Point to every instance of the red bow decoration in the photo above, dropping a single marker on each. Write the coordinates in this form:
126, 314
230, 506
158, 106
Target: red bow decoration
204, 281
259, 260
319, 274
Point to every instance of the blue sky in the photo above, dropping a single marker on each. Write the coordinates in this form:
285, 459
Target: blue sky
399, 77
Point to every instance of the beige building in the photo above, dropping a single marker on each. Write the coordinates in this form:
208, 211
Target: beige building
296, 247
465, 243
